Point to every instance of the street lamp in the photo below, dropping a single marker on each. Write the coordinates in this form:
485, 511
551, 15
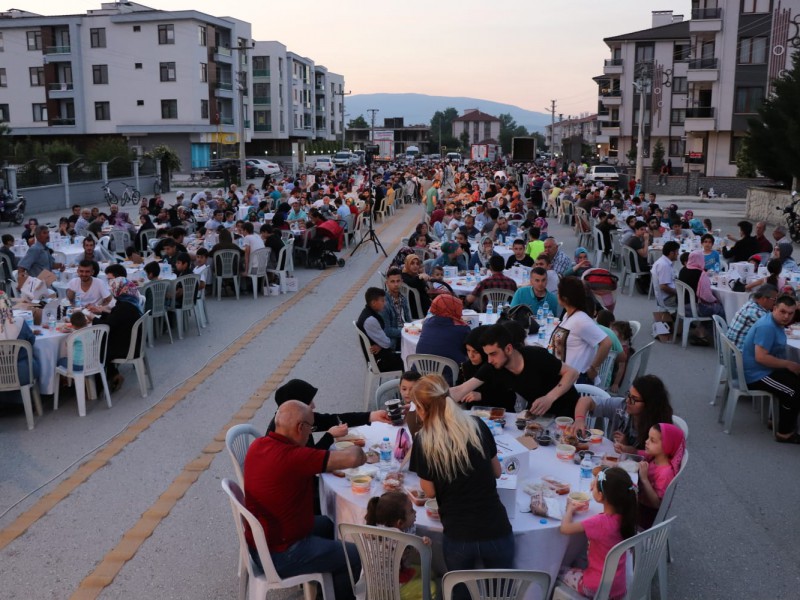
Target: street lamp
641, 86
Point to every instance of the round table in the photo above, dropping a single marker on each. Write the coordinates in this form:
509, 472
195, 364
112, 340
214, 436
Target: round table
731, 301
503, 250
539, 544
461, 286
71, 251
46, 349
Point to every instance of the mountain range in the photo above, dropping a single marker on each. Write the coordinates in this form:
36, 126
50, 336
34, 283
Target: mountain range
418, 109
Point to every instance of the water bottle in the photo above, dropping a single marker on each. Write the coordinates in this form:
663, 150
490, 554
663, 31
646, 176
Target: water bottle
77, 301
477, 272
540, 334
540, 316
550, 318
502, 466
51, 322
386, 451
490, 312
545, 307
586, 473
716, 268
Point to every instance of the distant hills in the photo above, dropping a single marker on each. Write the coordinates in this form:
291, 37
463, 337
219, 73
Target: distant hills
418, 109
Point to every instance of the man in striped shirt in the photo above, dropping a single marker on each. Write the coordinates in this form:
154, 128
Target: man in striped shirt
762, 302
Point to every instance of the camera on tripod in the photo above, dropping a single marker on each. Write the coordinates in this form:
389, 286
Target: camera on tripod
370, 152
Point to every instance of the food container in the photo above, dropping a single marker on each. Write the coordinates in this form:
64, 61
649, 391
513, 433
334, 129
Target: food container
361, 484
489, 412
432, 509
392, 484
580, 454
417, 496
559, 487
342, 445
565, 452
596, 436
611, 460
563, 422
532, 428
544, 440
580, 500
521, 424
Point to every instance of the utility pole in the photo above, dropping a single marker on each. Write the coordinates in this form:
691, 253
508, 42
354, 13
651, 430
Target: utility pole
641, 86
561, 133
552, 110
342, 94
372, 112
242, 88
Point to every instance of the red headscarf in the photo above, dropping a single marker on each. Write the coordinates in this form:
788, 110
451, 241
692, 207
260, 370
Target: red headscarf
446, 305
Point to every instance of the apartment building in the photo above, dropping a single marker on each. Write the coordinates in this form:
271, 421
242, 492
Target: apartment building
702, 79
582, 129
480, 127
154, 77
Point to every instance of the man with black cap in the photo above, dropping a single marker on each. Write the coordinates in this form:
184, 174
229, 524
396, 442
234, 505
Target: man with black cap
334, 425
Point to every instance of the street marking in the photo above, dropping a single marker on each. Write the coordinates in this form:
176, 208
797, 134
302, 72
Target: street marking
111, 564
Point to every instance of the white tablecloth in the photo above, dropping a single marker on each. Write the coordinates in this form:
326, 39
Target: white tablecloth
538, 545
503, 250
462, 287
731, 301
71, 251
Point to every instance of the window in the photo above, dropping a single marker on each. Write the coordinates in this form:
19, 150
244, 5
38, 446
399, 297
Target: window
34, 40
137, 65
99, 74
677, 116
260, 63
681, 51
487, 130
644, 53
167, 71
5, 115
102, 111
39, 113
736, 145
97, 37
169, 109
2, 48
3, 81
755, 6
204, 72
203, 109
137, 28
679, 85
748, 99
37, 76
203, 35
166, 34
677, 146
753, 51
140, 103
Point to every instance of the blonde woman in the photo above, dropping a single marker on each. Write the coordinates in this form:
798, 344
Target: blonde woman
455, 457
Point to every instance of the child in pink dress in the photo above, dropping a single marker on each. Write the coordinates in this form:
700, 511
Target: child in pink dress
613, 489
664, 450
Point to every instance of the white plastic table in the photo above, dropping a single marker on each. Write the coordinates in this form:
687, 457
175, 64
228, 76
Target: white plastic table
731, 301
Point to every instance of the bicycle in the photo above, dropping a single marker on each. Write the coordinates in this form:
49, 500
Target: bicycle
157, 187
200, 179
131, 194
108, 195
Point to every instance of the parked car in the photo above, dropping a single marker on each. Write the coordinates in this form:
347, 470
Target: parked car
359, 156
262, 167
216, 168
344, 159
323, 164
604, 173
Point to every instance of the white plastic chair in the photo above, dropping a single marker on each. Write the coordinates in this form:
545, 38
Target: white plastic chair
381, 552
637, 365
9, 376
237, 441
682, 425
604, 373
412, 295
388, 390
257, 269
683, 291
494, 295
663, 513
720, 377
157, 291
144, 238
188, 284
636, 326
226, 266
137, 354
374, 374
93, 340
584, 389
734, 365
425, 364
121, 239
496, 584
630, 268
285, 258
258, 583
602, 254
647, 549
59, 257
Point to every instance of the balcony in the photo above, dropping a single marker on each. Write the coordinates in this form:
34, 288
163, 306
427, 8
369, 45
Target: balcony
606, 125
226, 120
223, 51
705, 20
612, 66
263, 127
247, 123
224, 85
260, 72
50, 50
62, 122
611, 97
700, 118
262, 100
319, 109
56, 89
703, 69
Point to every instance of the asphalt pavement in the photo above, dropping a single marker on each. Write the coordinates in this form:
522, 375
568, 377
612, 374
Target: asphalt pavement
126, 502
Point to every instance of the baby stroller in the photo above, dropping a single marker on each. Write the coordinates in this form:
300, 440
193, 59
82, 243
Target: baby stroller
321, 253
602, 285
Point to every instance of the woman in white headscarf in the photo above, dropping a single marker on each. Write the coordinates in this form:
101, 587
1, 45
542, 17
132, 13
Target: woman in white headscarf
15, 328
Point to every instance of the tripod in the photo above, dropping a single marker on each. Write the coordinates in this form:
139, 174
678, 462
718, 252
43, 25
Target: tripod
370, 235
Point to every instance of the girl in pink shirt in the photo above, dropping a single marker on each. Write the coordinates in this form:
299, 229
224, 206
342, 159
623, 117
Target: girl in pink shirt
663, 451
613, 489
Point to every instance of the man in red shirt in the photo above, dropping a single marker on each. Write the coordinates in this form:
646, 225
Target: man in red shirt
279, 485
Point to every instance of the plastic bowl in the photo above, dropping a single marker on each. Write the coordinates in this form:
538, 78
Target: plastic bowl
565, 452
432, 509
597, 436
580, 500
544, 440
342, 445
563, 422
361, 484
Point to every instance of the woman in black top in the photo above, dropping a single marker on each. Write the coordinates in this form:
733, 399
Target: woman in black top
455, 457
496, 395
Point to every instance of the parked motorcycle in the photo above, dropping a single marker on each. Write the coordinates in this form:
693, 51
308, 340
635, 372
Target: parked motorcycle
12, 210
792, 218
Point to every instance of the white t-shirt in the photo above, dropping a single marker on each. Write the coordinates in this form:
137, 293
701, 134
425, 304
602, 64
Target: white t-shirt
662, 273
253, 241
96, 293
581, 340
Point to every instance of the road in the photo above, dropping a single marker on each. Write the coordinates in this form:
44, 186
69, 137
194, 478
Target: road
126, 502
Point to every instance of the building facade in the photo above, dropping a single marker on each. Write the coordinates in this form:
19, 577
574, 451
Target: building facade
702, 80
78, 76
478, 125
583, 128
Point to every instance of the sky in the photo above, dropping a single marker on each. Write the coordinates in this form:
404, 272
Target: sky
520, 52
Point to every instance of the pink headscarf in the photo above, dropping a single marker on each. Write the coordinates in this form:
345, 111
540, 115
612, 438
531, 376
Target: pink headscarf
697, 261
673, 443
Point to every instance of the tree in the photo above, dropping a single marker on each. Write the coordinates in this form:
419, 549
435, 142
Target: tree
773, 139
509, 130
358, 123
6, 146
442, 128
745, 164
464, 138
107, 149
658, 156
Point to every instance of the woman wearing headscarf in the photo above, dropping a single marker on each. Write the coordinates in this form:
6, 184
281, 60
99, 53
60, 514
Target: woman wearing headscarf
444, 332
120, 319
415, 278
480, 258
496, 393
783, 252
582, 263
15, 328
694, 275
